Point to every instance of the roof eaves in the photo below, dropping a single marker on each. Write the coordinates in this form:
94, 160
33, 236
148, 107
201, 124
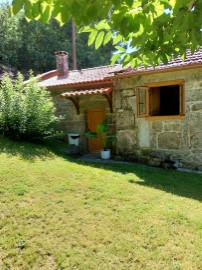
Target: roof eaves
81, 85
43, 76
47, 75
154, 71
86, 92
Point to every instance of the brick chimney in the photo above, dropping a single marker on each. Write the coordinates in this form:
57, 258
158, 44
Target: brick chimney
62, 63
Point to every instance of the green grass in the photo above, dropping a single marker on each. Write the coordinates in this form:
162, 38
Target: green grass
59, 214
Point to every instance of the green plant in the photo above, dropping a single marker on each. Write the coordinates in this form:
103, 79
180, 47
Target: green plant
102, 133
26, 111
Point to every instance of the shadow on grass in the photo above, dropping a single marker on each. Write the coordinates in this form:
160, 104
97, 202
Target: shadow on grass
178, 183
183, 184
27, 150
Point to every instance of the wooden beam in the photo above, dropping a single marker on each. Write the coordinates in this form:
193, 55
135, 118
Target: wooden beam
75, 101
109, 99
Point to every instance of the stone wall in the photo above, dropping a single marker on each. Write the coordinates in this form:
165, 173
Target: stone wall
165, 143
72, 122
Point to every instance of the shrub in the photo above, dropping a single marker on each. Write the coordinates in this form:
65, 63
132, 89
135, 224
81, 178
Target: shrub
26, 110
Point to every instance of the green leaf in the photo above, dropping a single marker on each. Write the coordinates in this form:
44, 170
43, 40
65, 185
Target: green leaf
36, 11
166, 4
102, 25
74, 8
117, 3
119, 48
126, 59
92, 11
65, 15
129, 2
133, 63
124, 26
117, 39
45, 17
85, 29
56, 10
28, 11
107, 38
92, 37
164, 58
17, 5
90, 134
111, 139
99, 39
114, 58
116, 19
101, 128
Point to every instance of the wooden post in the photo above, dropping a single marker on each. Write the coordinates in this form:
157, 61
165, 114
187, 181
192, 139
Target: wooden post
74, 60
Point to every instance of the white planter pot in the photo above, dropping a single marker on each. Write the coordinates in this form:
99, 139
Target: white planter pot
105, 154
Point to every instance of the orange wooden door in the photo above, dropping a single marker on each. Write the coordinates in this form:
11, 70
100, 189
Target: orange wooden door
94, 117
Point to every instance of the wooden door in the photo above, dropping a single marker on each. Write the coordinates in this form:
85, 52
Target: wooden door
94, 117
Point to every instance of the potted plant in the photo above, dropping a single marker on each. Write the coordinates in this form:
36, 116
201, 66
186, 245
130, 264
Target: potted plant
102, 133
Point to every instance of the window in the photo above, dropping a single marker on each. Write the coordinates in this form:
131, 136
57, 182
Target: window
162, 99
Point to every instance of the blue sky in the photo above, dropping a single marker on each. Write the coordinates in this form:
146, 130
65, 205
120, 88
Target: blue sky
5, 1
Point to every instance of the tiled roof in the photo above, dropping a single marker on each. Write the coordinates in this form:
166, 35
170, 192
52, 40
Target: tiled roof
86, 92
83, 76
176, 63
91, 76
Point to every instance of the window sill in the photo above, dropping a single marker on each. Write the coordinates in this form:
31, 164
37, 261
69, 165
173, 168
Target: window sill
165, 117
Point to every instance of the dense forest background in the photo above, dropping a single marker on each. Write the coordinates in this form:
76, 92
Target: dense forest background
26, 46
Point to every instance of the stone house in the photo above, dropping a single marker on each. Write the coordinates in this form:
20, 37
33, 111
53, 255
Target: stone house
156, 113
82, 97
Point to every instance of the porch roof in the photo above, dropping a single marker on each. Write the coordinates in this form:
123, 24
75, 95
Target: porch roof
74, 96
86, 92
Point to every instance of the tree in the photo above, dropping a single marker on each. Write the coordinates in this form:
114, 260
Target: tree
40, 42
10, 37
155, 29
32, 45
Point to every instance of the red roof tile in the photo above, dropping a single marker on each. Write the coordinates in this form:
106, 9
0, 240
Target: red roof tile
191, 60
98, 91
89, 75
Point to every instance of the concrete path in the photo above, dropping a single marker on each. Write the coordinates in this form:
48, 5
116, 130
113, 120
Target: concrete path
96, 158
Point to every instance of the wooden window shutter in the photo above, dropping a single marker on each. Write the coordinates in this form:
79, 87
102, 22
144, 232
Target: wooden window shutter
142, 101
154, 101
182, 99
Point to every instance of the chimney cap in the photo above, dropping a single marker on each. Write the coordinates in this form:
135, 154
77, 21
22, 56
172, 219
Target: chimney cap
61, 53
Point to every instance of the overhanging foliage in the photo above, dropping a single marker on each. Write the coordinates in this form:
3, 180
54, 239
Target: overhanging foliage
155, 29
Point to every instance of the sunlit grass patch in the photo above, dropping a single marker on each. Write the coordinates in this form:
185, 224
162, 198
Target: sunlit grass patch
57, 213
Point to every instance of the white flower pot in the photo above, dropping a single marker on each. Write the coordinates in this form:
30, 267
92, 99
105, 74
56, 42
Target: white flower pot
105, 154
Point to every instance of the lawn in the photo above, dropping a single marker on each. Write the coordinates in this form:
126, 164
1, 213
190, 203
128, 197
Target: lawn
57, 213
